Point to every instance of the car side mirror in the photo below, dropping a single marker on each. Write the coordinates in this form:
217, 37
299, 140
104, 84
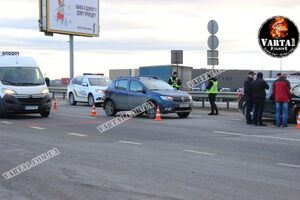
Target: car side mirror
141, 91
84, 84
47, 80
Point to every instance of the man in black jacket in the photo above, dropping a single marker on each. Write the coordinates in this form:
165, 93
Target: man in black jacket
259, 87
248, 94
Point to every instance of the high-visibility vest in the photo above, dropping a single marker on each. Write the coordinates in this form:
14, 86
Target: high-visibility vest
214, 88
174, 82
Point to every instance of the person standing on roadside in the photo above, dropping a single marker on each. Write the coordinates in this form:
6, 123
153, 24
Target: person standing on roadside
248, 94
282, 96
259, 87
212, 90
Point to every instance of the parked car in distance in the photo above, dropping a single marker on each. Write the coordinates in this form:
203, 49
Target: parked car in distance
270, 111
127, 93
88, 88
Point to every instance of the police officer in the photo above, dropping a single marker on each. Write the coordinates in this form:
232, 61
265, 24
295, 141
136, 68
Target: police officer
212, 90
174, 81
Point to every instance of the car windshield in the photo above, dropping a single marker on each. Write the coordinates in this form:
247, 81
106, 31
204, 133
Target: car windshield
99, 81
153, 84
21, 76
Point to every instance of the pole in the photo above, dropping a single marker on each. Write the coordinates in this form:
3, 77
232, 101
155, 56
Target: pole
281, 65
71, 57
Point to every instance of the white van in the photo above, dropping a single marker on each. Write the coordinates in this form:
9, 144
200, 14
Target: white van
22, 87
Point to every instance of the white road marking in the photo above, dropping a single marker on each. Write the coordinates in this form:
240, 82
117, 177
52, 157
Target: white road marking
129, 142
37, 127
77, 134
6, 122
80, 116
258, 136
288, 165
199, 152
238, 120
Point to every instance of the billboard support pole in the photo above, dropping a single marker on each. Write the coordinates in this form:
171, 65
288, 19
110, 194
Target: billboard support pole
71, 56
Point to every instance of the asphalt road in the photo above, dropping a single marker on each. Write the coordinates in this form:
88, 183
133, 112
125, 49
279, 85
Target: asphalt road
199, 158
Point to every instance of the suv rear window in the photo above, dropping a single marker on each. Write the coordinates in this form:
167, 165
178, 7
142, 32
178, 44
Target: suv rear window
121, 84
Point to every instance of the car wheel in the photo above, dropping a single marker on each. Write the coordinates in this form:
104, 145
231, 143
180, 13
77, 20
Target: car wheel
72, 99
110, 108
295, 116
45, 114
151, 113
91, 100
183, 114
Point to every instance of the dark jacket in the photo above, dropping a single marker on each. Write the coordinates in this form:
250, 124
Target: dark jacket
281, 90
248, 91
210, 83
259, 87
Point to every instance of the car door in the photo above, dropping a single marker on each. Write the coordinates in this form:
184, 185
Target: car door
78, 89
270, 104
120, 96
136, 94
85, 89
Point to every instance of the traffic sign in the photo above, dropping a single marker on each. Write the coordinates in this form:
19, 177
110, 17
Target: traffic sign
212, 53
212, 27
176, 57
213, 42
212, 61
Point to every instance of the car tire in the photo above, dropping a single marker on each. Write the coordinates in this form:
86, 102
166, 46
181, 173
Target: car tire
151, 113
72, 99
91, 100
45, 114
183, 114
109, 108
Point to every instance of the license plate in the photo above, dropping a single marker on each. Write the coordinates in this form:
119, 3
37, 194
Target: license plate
31, 107
184, 105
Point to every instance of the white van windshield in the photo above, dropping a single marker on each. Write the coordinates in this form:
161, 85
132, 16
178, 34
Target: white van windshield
21, 76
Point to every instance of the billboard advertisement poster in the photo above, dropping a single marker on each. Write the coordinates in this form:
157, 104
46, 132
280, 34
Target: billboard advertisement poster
75, 17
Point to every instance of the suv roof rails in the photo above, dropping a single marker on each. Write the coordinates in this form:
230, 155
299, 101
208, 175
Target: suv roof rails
136, 77
149, 76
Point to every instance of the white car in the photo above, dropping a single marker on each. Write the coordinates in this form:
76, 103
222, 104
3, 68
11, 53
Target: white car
87, 88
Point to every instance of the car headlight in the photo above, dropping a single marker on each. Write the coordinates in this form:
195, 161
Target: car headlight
99, 91
45, 91
166, 98
9, 92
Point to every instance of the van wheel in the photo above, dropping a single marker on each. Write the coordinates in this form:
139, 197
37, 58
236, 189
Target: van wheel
183, 114
110, 108
45, 114
91, 100
72, 99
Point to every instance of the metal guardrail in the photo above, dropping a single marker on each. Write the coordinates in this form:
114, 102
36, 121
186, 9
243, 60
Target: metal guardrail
197, 95
221, 96
58, 90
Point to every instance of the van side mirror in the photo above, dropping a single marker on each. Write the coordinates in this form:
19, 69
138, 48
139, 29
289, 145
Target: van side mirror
47, 80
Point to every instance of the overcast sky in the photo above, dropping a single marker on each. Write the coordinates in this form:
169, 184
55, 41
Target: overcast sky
136, 33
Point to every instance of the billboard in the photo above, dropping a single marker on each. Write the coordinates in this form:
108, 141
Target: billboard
72, 17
